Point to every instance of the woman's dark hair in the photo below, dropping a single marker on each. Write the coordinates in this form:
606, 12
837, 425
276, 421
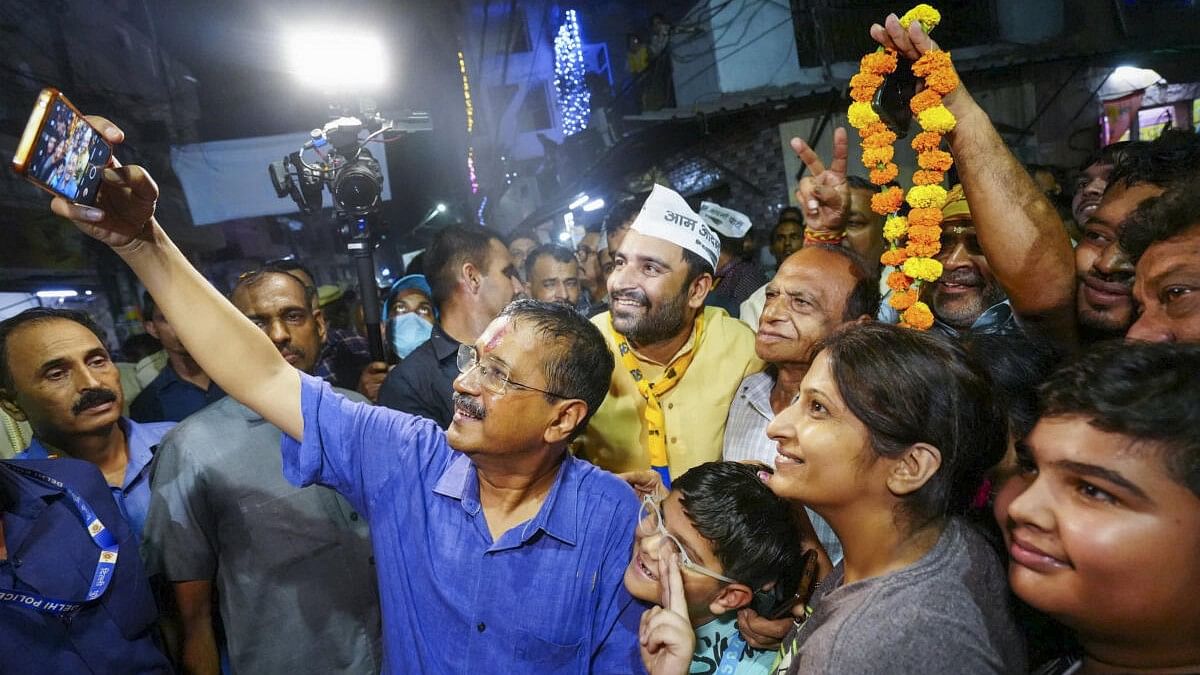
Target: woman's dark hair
909, 387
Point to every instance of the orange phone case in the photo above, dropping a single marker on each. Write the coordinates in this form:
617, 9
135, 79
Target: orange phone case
33, 130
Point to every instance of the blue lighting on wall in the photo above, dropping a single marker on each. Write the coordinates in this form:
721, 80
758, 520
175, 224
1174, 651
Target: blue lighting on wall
574, 98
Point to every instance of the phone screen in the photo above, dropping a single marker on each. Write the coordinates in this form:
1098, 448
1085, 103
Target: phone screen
69, 155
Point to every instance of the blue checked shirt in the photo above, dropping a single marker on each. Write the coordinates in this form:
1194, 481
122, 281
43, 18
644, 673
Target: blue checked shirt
746, 440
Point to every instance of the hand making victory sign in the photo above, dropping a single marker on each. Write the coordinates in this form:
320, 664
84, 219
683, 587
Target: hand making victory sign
666, 635
823, 193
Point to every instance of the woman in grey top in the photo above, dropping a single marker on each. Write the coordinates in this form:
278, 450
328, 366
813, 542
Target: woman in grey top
888, 441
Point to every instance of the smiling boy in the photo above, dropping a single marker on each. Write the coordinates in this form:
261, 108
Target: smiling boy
1103, 528
732, 537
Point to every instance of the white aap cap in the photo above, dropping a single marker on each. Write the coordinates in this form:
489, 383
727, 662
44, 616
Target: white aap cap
732, 224
667, 216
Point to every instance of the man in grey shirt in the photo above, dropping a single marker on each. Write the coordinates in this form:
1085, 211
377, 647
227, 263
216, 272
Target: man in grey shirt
293, 566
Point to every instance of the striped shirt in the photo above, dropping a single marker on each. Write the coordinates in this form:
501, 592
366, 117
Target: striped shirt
746, 440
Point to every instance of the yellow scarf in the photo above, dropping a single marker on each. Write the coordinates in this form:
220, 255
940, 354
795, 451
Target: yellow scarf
655, 422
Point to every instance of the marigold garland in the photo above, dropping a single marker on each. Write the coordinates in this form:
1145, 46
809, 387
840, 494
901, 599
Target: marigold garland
912, 241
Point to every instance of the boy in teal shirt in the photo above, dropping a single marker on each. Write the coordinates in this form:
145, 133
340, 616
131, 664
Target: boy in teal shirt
734, 544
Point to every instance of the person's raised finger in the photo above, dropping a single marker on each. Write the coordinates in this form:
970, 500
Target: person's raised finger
900, 37
921, 40
880, 35
809, 156
841, 151
678, 602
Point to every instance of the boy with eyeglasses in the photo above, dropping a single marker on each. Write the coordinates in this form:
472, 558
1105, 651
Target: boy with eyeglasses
719, 541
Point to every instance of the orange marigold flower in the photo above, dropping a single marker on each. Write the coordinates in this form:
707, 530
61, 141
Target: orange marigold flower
898, 281
887, 202
918, 316
866, 81
882, 155
926, 234
861, 95
926, 141
925, 100
921, 249
931, 61
885, 175
925, 218
923, 177
879, 63
937, 160
872, 129
942, 80
894, 257
902, 300
879, 140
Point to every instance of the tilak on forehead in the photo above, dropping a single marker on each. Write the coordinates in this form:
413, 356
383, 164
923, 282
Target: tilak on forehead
667, 216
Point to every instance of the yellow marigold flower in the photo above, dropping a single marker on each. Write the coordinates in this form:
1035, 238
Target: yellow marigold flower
882, 62
866, 81
942, 80
885, 175
918, 316
881, 155
894, 257
925, 269
888, 201
923, 233
931, 61
922, 249
895, 227
927, 197
937, 118
861, 114
924, 177
902, 300
927, 16
925, 100
926, 140
898, 281
936, 160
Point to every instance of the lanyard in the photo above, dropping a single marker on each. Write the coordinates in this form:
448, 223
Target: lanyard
101, 536
732, 654
656, 436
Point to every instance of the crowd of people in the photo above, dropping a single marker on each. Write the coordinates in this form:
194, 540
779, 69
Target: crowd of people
642, 453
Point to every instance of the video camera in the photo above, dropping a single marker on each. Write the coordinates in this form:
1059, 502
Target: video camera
345, 165
355, 179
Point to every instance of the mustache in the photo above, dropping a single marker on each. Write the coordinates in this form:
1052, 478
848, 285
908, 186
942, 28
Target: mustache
962, 276
632, 294
91, 398
1123, 278
470, 405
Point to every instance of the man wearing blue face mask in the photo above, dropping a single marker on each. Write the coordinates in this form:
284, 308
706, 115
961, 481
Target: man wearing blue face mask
408, 314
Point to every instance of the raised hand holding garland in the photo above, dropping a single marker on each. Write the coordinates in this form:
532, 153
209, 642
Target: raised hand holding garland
913, 241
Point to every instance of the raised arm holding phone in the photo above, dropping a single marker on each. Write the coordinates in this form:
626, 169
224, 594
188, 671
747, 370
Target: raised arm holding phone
462, 519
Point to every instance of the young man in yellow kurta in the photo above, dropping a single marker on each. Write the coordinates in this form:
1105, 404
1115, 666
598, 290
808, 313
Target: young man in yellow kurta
679, 363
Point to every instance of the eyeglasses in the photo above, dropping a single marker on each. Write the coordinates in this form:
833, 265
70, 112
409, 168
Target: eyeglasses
650, 522
493, 379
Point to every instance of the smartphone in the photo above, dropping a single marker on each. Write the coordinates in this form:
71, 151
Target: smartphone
892, 98
60, 152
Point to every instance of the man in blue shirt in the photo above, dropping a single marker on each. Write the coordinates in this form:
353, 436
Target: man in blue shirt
46, 553
182, 387
496, 550
56, 374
